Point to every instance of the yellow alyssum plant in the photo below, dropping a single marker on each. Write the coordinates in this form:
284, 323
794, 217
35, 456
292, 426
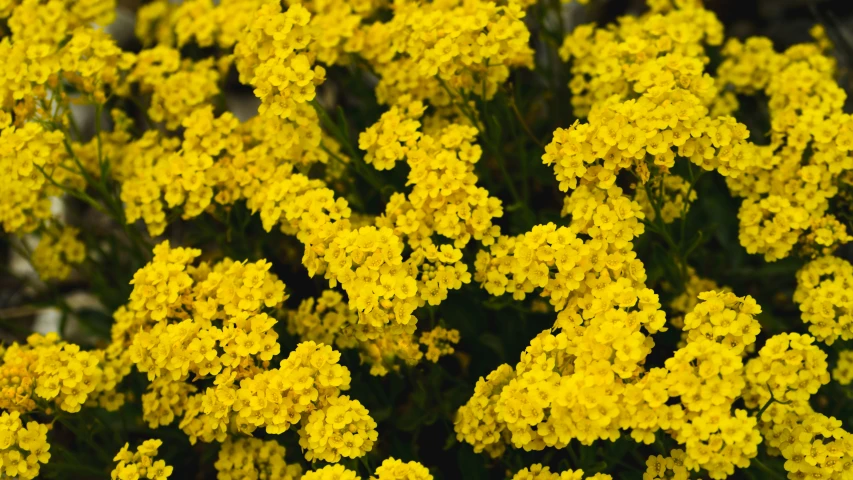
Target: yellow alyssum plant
420, 240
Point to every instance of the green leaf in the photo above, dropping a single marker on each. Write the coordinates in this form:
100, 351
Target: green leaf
493, 342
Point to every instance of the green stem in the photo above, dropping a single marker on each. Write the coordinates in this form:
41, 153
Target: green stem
99, 111
495, 149
520, 118
558, 10
508, 180
84, 437
113, 205
769, 402
341, 134
463, 107
686, 204
574, 456
340, 160
767, 469
661, 228
73, 191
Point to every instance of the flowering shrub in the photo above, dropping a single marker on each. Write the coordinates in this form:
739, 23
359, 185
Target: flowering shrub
398, 240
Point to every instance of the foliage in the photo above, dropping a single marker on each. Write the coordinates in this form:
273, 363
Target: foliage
451, 240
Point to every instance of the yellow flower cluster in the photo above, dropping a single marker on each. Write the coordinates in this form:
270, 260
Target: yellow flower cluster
635, 49
392, 136
789, 368
66, 374
787, 190
707, 375
661, 58
22, 448
477, 422
331, 28
309, 380
218, 160
323, 320
390, 469
305, 208
439, 342
56, 252
58, 372
140, 194
165, 401
51, 49
177, 87
689, 298
204, 334
393, 469
367, 262
241, 458
17, 380
334, 26
88, 60
79, 12
311, 373
445, 198
590, 360
426, 49
342, 429
331, 472
92, 63
385, 350
587, 382
141, 463
152, 26
194, 159
329, 320
273, 57
565, 266
48, 40
724, 318
164, 177
25, 152
159, 285
538, 472
597, 286
207, 22
643, 87
658, 466
356, 259
813, 445
208, 321
843, 371
824, 294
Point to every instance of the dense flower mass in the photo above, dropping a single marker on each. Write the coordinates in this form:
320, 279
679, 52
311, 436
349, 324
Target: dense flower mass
644, 91
538, 472
825, 298
57, 252
22, 447
390, 469
49, 369
787, 191
141, 463
254, 458
408, 240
